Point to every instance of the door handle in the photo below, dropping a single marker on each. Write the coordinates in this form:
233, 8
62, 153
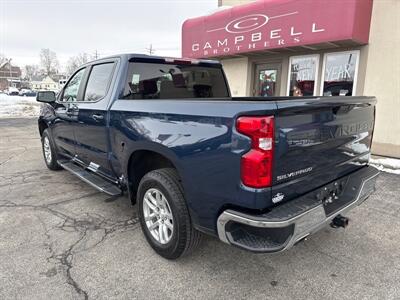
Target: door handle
70, 112
71, 109
97, 117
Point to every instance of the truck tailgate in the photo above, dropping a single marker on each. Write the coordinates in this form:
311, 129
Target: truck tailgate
318, 140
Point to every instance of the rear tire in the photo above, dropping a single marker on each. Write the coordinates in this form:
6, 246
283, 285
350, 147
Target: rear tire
49, 152
180, 238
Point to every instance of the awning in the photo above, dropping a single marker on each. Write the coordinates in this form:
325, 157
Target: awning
272, 24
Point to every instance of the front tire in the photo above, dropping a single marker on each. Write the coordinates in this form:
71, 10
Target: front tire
164, 216
49, 152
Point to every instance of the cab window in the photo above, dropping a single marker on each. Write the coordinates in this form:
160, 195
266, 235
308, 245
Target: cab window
98, 82
71, 90
174, 81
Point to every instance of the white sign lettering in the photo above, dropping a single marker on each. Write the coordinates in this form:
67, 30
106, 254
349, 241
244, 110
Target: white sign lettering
276, 37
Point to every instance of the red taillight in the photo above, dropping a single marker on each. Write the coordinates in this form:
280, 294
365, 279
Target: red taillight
256, 165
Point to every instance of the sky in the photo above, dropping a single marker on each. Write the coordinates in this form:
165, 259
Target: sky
70, 27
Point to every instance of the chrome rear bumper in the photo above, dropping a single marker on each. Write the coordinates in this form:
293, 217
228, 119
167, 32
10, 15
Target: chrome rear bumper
295, 220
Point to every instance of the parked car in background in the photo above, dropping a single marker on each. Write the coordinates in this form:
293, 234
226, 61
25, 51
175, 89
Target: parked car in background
260, 174
27, 93
22, 91
12, 91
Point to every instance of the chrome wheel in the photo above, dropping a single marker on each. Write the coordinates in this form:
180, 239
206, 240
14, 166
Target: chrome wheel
47, 149
158, 216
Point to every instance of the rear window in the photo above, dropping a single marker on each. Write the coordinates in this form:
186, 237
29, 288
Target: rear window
174, 81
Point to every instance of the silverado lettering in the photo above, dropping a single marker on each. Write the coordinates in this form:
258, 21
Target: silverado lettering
295, 173
313, 136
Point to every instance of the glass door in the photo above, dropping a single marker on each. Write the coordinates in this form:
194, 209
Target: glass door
267, 80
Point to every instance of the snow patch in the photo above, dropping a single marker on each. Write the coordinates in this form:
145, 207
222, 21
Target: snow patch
18, 106
389, 165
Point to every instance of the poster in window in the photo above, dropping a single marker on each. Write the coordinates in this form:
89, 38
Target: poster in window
303, 74
340, 74
267, 81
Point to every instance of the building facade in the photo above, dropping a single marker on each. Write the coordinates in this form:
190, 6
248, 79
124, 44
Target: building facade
308, 48
47, 84
10, 76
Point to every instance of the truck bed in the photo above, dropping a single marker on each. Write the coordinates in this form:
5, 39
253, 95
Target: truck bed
317, 139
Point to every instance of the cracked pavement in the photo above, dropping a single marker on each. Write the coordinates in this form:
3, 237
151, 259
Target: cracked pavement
61, 239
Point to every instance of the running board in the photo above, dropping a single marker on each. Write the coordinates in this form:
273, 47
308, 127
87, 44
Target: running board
94, 180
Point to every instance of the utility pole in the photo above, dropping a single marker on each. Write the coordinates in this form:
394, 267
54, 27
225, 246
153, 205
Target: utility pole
9, 62
96, 54
151, 49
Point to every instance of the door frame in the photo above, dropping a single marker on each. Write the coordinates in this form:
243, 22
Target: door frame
265, 64
66, 114
101, 106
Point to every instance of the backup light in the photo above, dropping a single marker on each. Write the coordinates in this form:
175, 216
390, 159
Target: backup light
265, 143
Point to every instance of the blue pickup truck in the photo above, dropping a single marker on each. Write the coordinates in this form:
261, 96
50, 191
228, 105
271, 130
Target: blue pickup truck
259, 173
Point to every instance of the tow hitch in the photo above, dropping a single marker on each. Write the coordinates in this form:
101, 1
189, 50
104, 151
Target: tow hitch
340, 221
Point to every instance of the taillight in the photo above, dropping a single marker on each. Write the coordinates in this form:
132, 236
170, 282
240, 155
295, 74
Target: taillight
256, 165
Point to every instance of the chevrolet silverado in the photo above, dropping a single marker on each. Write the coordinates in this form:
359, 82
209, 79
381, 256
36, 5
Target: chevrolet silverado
259, 173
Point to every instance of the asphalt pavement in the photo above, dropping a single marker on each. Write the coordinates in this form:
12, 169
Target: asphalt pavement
62, 239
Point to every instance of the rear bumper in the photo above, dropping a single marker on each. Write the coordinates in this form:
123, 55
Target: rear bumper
291, 222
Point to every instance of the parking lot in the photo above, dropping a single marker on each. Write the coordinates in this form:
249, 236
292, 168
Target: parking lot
61, 239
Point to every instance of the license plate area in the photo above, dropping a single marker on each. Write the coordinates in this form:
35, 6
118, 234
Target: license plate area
333, 196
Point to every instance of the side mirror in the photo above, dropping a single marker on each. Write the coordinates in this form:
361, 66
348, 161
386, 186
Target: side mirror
46, 97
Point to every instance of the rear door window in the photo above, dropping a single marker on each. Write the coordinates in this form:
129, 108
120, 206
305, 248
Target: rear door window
98, 82
174, 81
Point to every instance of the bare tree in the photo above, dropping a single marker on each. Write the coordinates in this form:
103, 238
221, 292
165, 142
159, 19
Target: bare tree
49, 61
31, 71
75, 61
2, 58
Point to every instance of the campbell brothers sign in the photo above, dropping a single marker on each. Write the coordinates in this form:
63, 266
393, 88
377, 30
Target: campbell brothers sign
264, 25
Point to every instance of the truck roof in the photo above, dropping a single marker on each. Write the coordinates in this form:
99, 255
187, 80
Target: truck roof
138, 56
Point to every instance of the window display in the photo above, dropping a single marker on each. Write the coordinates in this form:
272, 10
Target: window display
302, 75
267, 82
340, 74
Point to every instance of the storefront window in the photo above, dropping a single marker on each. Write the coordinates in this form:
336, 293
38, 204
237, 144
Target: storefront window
340, 74
267, 82
302, 75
